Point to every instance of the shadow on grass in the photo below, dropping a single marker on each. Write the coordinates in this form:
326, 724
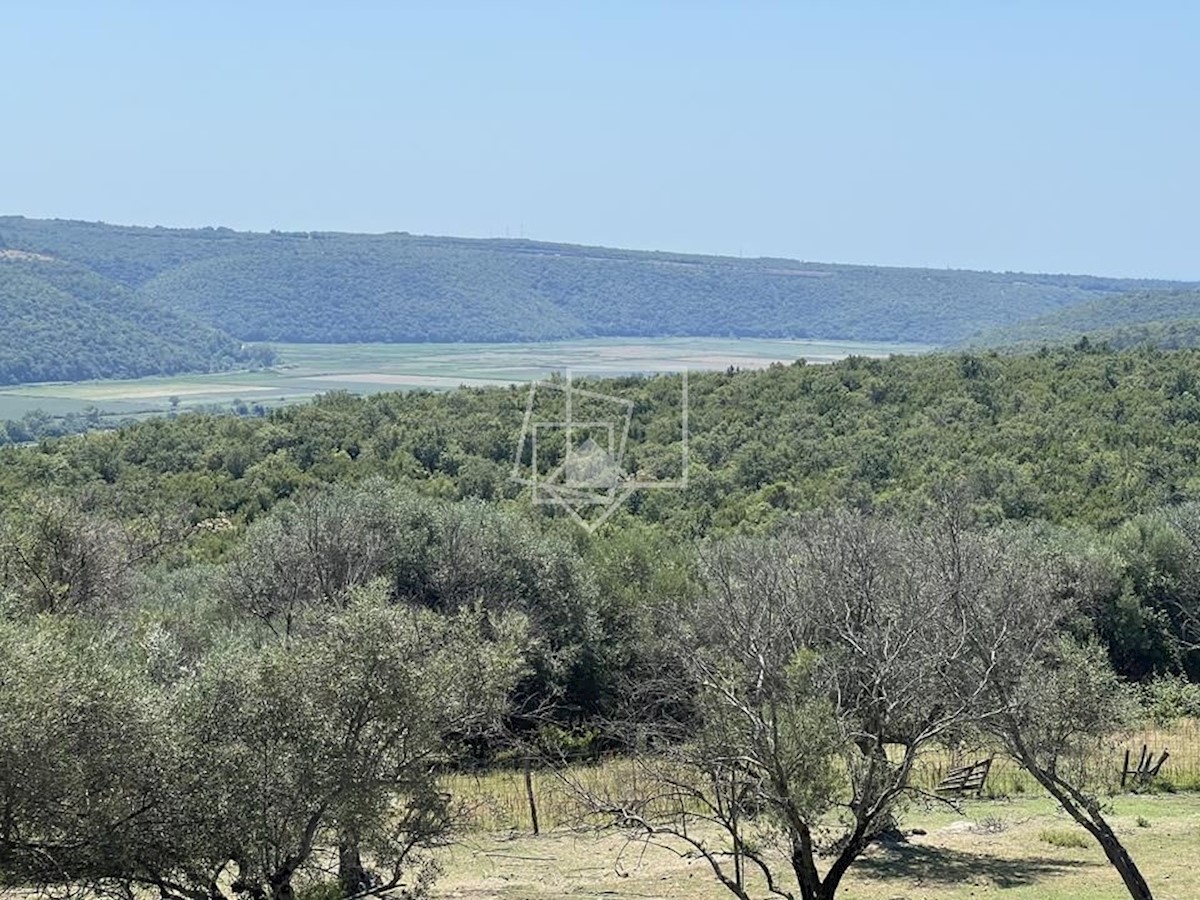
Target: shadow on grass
939, 865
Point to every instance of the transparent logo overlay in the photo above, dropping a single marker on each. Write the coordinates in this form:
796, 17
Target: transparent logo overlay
573, 451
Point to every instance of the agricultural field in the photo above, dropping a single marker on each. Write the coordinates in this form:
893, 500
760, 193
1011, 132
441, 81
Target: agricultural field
304, 370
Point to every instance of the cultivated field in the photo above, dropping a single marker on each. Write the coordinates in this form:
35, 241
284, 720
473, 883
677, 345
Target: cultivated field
307, 369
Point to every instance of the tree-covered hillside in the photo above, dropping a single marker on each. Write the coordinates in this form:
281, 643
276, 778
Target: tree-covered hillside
345, 288
61, 322
1170, 335
1168, 319
1079, 443
325, 287
1069, 436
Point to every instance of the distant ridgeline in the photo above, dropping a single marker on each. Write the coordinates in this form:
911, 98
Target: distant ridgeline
1169, 320
87, 300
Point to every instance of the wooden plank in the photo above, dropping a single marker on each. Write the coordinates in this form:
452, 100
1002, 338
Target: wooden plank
962, 779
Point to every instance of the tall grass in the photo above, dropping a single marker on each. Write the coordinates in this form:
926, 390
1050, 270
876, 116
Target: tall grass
1101, 767
496, 800
1182, 770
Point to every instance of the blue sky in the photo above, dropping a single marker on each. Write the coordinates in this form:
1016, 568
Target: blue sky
1049, 136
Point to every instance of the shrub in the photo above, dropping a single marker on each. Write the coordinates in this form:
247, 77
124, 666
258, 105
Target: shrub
1170, 698
1064, 838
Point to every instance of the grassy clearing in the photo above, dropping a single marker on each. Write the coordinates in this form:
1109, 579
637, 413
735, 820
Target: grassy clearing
1180, 773
1013, 841
988, 848
498, 802
308, 369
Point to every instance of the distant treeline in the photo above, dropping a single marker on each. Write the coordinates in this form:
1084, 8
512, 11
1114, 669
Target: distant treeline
61, 322
38, 425
88, 300
1166, 319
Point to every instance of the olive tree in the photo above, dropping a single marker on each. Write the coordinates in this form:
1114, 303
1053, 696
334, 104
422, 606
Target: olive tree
78, 554
1053, 695
1058, 708
311, 552
246, 776
81, 734
821, 663
58, 556
329, 745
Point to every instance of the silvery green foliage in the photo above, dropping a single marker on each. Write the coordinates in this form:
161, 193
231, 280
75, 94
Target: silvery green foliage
81, 740
820, 663
58, 556
242, 774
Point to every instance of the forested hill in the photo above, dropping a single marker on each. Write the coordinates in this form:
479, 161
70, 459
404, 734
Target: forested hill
1085, 436
1093, 441
61, 322
1166, 319
327, 287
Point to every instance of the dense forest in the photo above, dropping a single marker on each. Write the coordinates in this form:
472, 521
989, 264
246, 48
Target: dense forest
203, 292
61, 322
1084, 438
266, 638
1085, 435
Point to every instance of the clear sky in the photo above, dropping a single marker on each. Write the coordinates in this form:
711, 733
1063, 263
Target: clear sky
1043, 136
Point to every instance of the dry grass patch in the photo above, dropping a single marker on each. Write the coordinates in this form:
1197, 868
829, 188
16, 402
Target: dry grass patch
498, 802
956, 859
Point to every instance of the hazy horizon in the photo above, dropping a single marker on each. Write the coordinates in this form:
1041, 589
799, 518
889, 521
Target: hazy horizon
551, 241
1048, 138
